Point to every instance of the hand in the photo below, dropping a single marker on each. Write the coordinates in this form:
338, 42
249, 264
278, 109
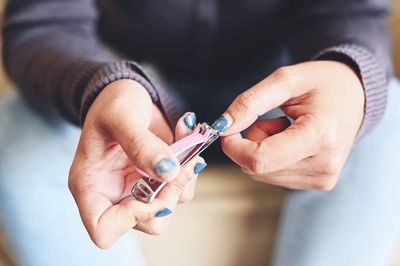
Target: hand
325, 98
124, 130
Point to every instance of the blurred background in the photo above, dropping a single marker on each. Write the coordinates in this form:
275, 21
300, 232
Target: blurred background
252, 209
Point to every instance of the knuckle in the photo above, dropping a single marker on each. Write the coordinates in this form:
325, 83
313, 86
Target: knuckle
101, 240
256, 177
331, 139
325, 185
246, 171
187, 175
247, 100
284, 73
72, 186
131, 217
331, 166
136, 147
157, 229
75, 174
186, 197
266, 178
71, 180
256, 164
177, 187
311, 132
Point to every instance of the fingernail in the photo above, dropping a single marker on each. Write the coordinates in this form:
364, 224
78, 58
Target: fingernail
190, 120
221, 124
164, 166
163, 212
199, 167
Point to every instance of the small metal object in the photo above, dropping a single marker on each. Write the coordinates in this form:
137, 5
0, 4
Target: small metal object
185, 149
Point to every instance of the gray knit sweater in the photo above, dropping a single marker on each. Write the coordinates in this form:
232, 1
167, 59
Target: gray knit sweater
54, 50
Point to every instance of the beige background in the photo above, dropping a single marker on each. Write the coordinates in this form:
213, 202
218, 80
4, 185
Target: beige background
199, 233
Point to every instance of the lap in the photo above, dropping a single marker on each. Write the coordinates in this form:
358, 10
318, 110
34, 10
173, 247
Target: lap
42, 223
39, 217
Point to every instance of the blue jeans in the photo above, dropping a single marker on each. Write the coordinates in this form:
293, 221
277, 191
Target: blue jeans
357, 223
38, 215
354, 224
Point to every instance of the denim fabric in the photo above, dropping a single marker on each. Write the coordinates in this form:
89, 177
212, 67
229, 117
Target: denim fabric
357, 223
354, 224
38, 214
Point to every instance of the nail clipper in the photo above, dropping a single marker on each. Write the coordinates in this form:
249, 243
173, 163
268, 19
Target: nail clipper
185, 149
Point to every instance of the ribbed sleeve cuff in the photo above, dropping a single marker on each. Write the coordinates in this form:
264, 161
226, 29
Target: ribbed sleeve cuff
372, 76
110, 72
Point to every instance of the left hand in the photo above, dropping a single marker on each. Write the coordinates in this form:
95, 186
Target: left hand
325, 98
124, 130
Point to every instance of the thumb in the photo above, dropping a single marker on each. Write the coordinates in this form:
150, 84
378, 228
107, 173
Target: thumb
266, 95
145, 149
106, 222
248, 106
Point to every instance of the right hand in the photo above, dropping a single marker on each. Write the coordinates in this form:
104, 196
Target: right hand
124, 130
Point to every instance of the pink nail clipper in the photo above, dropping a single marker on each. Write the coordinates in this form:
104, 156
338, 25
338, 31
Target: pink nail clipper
187, 148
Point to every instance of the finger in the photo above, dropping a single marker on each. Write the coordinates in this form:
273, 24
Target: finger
266, 95
299, 181
106, 222
159, 126
302, 167
265, 128
145, 150
185, 125
170, 194
188, 191
172, 190
301, 140
306, 174
319, 172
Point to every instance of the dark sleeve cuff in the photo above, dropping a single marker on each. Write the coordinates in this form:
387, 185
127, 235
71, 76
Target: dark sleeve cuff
372, 76
127, 70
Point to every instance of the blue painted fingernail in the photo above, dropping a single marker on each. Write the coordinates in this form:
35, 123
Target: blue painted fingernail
199, 167
221, 124
163, 212
190, 120
164, 166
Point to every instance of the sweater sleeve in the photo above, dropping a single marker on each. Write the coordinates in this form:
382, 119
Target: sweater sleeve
350, 31
52, 53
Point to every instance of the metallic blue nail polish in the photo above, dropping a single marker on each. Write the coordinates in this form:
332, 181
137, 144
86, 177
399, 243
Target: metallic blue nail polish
199, 167
165, 165
221, 124
190, 120
163, 212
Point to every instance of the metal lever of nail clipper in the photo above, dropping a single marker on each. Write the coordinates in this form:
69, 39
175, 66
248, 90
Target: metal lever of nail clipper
185, 149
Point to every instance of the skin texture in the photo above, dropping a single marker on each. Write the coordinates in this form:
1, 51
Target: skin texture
124, 130
325, 98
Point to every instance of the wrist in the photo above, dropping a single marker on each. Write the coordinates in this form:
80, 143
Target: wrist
348, 91
373, 75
